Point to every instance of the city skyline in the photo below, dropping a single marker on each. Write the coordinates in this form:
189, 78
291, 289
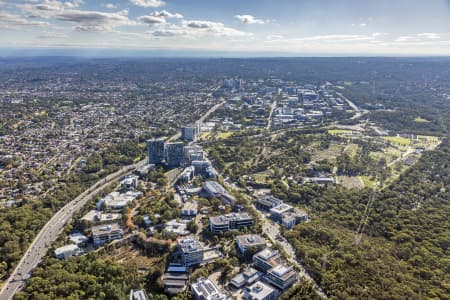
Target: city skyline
250, 28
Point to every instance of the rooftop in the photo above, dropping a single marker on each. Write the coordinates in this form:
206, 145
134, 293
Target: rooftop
282, 271
282, 208
105, 229
249, 240
189, 245
65, 248
259, 290
225, 219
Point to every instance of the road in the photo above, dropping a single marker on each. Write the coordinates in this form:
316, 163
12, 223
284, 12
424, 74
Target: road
272, 108
55, 225
359, 112
53, 228
272, 230
200, 120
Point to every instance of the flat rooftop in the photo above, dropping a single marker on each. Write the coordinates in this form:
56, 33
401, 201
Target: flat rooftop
282, 208
190, 245
249, 240
225, 219
259, 290
105, 229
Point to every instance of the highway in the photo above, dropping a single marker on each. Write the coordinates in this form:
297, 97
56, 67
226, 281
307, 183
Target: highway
55, 225
52, 229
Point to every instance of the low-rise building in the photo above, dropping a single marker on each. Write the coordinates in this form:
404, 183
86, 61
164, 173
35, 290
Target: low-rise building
281, 276
222, 223
205, 289
78, 238
67, 251
191, 251
118, 201
174, 282
260, 291
266, 259
129, 182
276, 213
267, 202
249, 276
250, 243
99, 217
190, 209
287, 215
138, 295
102, 234
213, 189
178, 228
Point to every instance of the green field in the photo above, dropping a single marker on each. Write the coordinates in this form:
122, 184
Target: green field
224, 135
398, 140
421, 120
339, 131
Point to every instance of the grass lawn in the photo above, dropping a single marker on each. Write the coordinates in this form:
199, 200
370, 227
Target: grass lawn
421, 120
224, 135
339, 131
398, 140
351, 149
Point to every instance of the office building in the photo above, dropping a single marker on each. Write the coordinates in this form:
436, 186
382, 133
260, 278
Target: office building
281, 276
67, 251
260, 291
190, 209
205, 289
189, 133
174, 154
267, 202
129, 182
155, 151
138, 295
250, 243
102, 234
277, 212
192, 153
99, 217
191, 251
117, 201
213, 189
249, 276
287, 215
266, 259
218, 224
187, 175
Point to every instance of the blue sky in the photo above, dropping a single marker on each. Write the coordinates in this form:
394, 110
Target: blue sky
292, 27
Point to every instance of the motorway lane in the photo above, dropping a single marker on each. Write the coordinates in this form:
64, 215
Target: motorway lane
52, 229
54, 226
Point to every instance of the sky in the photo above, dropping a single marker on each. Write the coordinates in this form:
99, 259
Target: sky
254, 27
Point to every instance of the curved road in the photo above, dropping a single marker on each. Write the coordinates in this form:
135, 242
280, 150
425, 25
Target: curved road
52, 229
55, 225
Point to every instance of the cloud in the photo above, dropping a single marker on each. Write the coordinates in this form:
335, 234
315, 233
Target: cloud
94, 20
109, 6
213, 28
73, 3
52, 35
148, 3
418, 37
249, 19
152, 20
274, 37
166, 14
193, 29
159, 17
14, 22
170, 32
